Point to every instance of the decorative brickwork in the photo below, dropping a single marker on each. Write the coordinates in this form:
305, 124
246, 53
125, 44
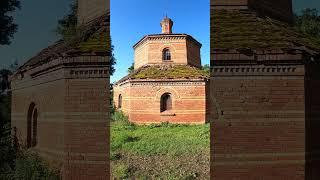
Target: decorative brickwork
66, 86
165, 64
262, 94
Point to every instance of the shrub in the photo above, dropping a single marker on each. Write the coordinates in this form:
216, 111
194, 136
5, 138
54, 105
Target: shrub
30, 166
120, 171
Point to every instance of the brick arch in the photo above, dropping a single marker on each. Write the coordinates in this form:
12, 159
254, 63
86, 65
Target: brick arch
168, 46
174, 95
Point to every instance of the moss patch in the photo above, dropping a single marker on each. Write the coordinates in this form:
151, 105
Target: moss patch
236, 29
167, 72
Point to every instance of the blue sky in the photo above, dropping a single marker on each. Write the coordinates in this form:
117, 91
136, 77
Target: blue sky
130, 20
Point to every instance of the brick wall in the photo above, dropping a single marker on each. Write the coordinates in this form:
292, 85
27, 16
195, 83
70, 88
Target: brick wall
259, 126
312, 106
72, 99
141, 101
182, 49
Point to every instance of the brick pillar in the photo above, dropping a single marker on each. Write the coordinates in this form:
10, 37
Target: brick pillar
86, 125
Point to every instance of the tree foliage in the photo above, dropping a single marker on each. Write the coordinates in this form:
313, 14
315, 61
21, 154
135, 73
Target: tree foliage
308, 22
7, 25
67, 29
206, 68
67, 26
131, 68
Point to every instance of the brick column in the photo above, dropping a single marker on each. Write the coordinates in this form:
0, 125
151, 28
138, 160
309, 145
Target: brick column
86, 125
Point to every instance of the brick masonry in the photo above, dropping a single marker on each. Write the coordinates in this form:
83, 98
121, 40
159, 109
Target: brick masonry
72, 98
141, 100
183, 48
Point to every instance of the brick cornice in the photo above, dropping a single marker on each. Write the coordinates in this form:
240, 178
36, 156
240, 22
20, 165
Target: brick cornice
157, 37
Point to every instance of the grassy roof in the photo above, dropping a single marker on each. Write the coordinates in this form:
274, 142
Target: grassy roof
91, 38
167, 72
244, 29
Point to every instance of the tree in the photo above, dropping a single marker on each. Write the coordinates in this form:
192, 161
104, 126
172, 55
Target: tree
206, 68
131, 68
7, 25
67, 29
67, 26
308, 22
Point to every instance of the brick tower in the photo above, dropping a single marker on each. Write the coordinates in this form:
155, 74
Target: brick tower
167, 84
166, 25
263, 83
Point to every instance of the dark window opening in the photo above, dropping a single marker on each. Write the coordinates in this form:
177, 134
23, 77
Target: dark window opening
32, 126
166, 55
165, 102
120, 101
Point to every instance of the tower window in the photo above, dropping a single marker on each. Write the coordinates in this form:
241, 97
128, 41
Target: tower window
165, 102
166, 55
120, 101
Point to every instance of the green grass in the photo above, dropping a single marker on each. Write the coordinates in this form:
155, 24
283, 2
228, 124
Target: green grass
159, 151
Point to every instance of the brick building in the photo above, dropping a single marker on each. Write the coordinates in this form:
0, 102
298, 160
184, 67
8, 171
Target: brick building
263, 91
60, 98
167, 84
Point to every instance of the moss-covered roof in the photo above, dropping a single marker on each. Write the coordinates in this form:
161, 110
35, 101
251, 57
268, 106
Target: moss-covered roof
166, 72
244, 29
94, 37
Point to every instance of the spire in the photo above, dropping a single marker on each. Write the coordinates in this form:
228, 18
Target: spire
166, 25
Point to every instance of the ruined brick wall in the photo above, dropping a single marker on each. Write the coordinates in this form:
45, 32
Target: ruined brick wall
150, 51
72, 98
259, 122
91, 9
141, 101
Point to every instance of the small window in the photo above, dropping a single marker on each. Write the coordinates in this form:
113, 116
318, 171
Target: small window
166, 55
120, 101
165, 102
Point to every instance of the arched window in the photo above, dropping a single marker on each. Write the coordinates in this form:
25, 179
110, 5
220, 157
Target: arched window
165, 102
120, 101
32, 125
166, 55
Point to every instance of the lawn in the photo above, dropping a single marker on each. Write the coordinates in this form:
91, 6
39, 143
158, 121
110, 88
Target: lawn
163, 151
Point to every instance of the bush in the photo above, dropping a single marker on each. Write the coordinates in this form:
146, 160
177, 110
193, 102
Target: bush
119, 116
121, 171
30, 166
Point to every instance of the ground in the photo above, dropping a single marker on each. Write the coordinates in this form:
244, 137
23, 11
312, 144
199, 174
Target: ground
163, 151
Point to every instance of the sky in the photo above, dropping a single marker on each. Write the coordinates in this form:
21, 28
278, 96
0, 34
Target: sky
36, 21
130, 21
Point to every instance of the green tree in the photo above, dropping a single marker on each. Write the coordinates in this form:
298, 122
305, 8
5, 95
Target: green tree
7, 25
131, 68
67, 26
206, 68
308, 22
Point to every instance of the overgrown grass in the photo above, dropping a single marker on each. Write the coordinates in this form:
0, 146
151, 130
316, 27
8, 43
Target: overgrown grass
164, 150
31, 166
